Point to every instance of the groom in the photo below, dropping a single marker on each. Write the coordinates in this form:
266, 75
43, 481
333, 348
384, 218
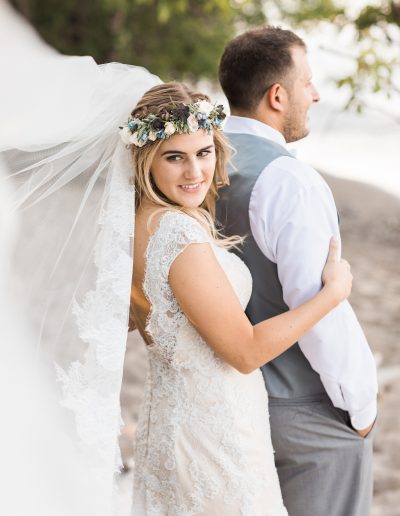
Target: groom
322, 391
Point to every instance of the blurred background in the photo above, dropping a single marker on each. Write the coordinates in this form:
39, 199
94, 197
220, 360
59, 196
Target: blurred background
354, 51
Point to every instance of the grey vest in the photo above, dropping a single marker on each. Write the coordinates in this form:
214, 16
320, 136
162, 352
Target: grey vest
289, 375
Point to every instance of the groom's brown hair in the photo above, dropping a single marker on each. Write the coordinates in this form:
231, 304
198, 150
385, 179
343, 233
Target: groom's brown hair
253, 62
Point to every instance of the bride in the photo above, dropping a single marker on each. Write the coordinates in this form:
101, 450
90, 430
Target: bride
203, 440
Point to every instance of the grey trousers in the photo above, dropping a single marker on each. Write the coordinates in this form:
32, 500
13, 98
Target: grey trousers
324, 466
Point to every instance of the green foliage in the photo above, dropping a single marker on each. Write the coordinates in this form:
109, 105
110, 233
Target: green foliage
374, 74
301, 12
172, 38
183, 39
71, 26
373, 15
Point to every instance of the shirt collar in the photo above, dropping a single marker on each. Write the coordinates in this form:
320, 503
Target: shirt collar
244, 125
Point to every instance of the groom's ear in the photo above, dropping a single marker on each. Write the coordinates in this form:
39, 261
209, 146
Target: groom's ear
276, 97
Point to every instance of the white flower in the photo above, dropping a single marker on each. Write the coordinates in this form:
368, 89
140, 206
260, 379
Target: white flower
152, 136
134, 139
192, 123
169, 128
204, 107
125, 134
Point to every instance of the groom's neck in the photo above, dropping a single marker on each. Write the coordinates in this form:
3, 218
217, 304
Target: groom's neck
263, 117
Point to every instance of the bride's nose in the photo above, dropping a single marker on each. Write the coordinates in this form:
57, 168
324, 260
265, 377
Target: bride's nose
193, 169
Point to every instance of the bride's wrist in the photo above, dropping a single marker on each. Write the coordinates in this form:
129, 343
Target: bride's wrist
332, 293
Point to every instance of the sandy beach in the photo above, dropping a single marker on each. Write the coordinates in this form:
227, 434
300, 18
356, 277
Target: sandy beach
370, 226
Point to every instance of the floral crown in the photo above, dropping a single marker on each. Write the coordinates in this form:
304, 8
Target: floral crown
182, 118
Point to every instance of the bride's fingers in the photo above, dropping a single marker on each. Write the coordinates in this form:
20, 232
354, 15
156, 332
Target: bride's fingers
334, 250
345, 262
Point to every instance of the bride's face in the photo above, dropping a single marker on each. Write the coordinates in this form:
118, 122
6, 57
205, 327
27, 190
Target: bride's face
183, 167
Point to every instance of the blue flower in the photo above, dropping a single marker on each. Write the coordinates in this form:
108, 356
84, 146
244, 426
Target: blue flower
133, 124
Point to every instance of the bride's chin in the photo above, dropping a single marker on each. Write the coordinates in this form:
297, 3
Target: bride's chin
190, 201
191, 204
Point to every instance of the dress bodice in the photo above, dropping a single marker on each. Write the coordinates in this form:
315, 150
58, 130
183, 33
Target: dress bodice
175, 232
202, 443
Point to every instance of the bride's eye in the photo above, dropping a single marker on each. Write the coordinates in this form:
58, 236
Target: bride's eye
174, 157
203, 153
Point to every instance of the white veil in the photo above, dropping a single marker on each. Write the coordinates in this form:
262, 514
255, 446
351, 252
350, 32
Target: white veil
69, 186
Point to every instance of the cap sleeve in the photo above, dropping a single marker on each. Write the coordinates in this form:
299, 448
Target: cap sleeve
176, 230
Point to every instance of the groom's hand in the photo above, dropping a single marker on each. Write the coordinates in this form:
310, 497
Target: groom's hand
366, 431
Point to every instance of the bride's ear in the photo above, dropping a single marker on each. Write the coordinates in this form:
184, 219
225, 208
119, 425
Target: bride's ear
276, 97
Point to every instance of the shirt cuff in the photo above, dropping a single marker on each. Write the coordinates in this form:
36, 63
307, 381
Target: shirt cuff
363, 418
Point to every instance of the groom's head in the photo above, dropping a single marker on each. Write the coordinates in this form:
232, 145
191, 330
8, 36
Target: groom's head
265, 75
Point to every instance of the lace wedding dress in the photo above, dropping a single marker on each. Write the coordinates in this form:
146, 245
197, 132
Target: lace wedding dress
203, 443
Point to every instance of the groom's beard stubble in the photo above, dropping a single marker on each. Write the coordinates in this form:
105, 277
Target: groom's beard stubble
295, 125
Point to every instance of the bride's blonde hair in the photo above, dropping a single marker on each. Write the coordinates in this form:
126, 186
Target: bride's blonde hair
167, 95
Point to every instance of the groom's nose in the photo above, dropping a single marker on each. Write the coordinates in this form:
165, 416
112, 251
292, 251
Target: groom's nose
314, 94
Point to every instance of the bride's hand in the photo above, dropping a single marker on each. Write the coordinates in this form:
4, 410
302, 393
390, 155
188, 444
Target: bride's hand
336, 275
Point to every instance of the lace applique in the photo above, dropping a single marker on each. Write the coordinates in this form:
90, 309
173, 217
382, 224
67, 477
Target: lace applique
192, 453
175, 232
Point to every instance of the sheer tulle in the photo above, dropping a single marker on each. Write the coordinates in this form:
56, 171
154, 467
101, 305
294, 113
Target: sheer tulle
68, 180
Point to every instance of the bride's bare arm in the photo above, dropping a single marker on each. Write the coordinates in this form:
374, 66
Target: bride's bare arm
207, 298
132, 322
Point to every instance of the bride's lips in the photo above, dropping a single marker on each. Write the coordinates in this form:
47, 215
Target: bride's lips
191, 187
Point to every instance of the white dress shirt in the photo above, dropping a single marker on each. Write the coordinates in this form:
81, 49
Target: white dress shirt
293, 217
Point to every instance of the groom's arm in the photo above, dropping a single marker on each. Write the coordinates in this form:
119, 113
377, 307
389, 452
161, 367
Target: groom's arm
293, 217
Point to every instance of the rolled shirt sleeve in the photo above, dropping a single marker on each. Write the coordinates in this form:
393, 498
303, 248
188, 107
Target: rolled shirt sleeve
293, 217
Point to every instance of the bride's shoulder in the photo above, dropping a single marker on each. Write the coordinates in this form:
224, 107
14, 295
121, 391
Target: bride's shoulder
172, 232
169, 225
172, 217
